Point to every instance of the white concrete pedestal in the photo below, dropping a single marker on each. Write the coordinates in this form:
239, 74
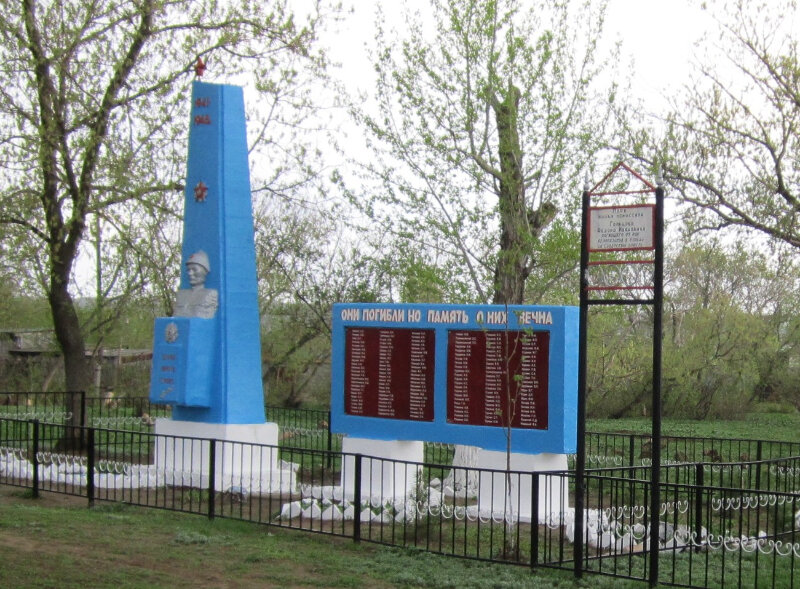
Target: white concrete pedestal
245, 456
390, 470
494, 499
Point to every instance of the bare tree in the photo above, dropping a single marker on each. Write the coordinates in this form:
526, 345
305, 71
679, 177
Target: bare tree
731, 147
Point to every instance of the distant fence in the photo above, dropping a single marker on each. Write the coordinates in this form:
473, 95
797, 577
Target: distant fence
626, 449
302, 428
310, 428
720, 523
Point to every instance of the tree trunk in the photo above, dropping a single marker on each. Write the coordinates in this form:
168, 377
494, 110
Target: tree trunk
512, 261
77, 369
519, 224
464, 480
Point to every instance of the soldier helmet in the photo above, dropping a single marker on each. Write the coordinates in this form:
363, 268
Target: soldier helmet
201, 259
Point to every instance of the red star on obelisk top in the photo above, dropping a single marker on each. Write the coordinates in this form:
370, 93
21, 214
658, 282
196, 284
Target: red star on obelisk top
199, 67
200, 192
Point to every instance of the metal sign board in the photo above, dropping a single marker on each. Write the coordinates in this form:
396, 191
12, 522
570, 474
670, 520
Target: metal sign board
613, 229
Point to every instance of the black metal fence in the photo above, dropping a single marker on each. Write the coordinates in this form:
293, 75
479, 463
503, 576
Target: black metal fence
627, 449
731, 523
302, 428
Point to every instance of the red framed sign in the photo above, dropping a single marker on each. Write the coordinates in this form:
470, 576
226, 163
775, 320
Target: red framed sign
616, 229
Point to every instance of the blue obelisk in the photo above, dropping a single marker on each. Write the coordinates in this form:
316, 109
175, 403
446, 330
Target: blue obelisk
207, 358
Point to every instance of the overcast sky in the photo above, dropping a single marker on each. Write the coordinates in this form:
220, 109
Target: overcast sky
658, 35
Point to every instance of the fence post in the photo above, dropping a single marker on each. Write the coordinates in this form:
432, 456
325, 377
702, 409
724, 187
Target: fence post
534, 519
759, 458
83, 408
631, 459
357, 499
630, 450
90, 466
35, 458
212, 467
698, 502
330, 441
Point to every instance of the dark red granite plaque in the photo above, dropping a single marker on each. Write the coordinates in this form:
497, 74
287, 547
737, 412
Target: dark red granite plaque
389, 372
497, 377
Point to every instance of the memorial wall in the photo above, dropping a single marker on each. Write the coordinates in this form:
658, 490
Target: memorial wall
457, 374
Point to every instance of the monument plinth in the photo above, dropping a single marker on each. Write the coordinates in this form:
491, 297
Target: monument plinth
207, 358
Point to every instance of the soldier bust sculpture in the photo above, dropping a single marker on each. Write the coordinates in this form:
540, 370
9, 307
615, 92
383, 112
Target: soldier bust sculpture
197, 301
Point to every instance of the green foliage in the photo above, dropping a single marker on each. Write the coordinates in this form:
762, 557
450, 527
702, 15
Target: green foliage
729, 153
733, 330
305, 265
483, 123
772, 407
731, 339
422, 282
94, 136
23, 311
711, 372
296, 356
618, 374
554, 278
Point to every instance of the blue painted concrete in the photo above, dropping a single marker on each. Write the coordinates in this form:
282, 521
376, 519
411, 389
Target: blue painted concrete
221, 357
560, 322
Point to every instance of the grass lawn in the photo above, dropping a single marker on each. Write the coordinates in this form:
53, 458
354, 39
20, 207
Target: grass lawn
56, 541
756, 426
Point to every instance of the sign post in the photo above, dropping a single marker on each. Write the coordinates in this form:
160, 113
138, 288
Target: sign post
622, 230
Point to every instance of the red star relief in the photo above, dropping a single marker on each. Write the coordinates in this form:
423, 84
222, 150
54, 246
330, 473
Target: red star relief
200, 192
